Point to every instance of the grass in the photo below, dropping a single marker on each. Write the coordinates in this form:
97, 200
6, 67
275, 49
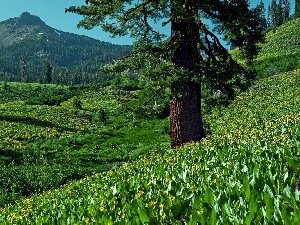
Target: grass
279, 53
44, 145
245, 172
81, 157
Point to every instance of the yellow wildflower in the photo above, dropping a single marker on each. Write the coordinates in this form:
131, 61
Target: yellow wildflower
86, 220
172, 197
139, 194
152, 203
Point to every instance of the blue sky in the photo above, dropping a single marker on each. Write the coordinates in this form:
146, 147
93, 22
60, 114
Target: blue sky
52, 12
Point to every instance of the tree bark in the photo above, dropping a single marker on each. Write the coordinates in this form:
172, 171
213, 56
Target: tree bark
185, 103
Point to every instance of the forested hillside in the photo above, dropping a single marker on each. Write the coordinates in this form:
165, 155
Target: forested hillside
28, 44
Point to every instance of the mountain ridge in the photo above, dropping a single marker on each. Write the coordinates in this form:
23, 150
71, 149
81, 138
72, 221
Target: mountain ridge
28, 37
20, 28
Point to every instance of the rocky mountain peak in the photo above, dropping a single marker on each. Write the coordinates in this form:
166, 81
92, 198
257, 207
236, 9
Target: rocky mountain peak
27, 19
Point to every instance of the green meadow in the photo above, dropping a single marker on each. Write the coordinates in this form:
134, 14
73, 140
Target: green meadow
85, 155
245, 172
53, 134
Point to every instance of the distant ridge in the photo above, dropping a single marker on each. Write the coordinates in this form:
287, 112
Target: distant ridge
74, 58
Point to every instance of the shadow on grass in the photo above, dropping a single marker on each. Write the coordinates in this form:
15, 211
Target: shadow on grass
7, 157
35, 122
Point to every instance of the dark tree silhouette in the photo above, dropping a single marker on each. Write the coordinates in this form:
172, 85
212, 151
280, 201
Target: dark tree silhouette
190, 54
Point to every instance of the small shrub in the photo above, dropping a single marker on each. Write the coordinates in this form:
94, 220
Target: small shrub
77, 104
100, 117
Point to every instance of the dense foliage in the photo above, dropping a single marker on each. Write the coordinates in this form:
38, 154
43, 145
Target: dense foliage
52, 134
98, 154
244, 173
281, 50
182, 59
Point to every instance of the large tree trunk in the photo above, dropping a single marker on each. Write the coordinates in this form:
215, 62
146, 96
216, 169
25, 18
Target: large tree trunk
185, 104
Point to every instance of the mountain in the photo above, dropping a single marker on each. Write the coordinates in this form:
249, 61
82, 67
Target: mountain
28, 44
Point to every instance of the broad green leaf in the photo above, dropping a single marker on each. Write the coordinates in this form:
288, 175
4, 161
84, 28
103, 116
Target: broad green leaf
249, 217
246, 187
294, 163
209, 197
143, 216
213, 217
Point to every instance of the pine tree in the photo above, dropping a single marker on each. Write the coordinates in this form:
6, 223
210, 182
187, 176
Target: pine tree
274, 14
297, 8
23, 70
48, 73
181, 60
261, 13
278, 13
283, 10
286, 8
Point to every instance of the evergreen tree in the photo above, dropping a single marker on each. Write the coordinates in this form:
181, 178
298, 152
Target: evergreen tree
297, 8
48, 73
278, 13
183, 60
269, 16
286, 8
261, 13
283, 10
23, 70
274, 14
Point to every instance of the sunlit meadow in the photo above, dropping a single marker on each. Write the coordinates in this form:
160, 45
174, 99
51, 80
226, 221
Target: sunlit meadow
245, 172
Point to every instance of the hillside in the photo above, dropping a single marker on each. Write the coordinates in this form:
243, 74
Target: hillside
52, 134
74, 58
245, 172
280, 52
91, 154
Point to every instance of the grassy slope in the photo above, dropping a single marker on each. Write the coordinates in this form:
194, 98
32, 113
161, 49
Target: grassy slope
242, 173
280, 52
284, 40
43, 147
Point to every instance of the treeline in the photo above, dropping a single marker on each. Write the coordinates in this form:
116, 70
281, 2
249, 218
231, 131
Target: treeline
60, 58
277, 12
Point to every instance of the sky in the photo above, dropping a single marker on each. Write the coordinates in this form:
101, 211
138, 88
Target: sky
52, 12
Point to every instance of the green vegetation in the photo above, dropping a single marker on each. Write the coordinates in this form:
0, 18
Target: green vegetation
100, 154
75, 59
244, 173
189, 55
281, 51
49, 137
